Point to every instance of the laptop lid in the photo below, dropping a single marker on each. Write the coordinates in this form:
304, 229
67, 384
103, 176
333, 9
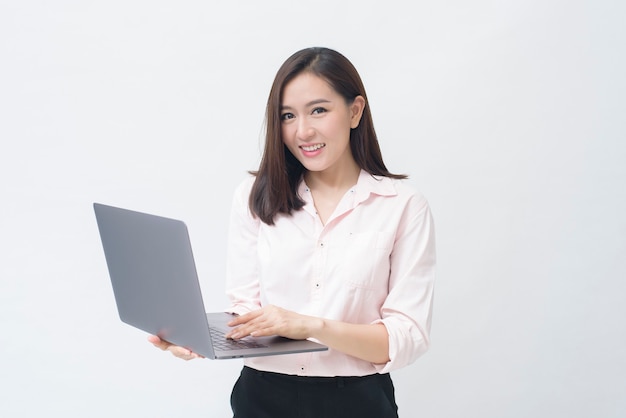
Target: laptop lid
156, 287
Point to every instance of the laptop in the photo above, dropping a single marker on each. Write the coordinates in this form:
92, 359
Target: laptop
156, 287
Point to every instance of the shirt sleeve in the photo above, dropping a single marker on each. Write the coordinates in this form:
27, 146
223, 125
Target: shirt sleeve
407, 310
242, 279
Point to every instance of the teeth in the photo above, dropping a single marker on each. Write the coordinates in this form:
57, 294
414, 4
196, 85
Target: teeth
313, 147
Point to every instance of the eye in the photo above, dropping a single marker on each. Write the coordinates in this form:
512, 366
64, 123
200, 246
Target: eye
318, 111
286, 116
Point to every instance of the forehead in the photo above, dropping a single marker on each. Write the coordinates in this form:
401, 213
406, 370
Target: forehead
306, 86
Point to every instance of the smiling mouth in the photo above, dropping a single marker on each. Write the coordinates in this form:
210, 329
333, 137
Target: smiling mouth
310, 148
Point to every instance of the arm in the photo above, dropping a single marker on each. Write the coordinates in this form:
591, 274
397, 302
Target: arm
242, 283
365, 341
369, 342
407, 310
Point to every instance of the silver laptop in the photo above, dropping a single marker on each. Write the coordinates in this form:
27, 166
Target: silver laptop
156, 287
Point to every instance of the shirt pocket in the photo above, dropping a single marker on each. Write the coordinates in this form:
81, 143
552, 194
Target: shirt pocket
367, 259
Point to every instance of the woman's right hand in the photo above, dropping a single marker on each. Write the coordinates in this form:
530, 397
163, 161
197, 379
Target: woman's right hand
178, 351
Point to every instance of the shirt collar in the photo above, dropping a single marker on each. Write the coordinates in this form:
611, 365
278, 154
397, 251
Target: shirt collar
366, 184
380, 185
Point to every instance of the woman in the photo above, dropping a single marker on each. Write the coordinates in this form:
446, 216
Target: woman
325, 243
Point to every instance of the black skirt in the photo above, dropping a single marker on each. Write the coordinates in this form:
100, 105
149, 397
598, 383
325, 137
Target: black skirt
259, 394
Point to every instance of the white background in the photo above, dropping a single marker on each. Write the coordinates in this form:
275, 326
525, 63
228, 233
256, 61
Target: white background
507, 115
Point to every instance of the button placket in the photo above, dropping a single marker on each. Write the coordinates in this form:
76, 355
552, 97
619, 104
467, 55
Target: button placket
316, 280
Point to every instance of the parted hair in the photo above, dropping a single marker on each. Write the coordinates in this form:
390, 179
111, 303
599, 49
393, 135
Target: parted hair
275, 188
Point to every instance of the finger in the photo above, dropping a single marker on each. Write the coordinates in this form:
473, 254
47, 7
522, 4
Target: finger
242, 319
256, 328
242, 331
158, 342
236, 333
262, 332
183, 353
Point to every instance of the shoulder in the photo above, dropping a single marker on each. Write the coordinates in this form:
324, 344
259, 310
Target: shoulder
407, 189
244, 187
241, 195
400, 189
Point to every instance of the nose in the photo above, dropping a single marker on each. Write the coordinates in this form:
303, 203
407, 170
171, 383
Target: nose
305, 131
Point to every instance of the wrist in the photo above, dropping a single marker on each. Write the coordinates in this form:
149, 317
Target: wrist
316, 327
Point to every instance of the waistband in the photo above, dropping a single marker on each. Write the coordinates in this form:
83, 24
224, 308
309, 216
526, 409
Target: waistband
338, 381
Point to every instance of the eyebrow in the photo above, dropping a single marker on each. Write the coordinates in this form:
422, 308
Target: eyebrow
309, 104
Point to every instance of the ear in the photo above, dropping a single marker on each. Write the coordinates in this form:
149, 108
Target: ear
356, 111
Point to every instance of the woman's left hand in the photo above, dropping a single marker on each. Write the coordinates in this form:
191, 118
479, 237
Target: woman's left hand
180, 352
272, 320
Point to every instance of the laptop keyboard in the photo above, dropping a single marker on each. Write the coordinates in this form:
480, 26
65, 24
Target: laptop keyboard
220, 342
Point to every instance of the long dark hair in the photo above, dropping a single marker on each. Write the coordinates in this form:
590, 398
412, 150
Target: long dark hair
275, 189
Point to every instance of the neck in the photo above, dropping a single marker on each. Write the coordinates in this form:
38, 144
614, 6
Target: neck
337, 180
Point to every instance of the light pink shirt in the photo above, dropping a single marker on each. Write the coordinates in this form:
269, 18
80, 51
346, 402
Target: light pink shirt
373, 262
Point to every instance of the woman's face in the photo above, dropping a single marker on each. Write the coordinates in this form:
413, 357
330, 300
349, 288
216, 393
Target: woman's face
316, 123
